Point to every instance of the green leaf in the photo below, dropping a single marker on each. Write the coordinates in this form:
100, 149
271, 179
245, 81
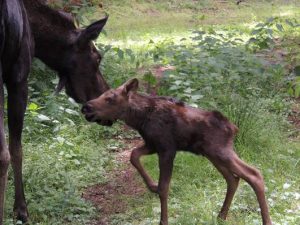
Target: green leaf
42, 118
270, 20
33, 107
72, 112
76, 161
290, 23
279, 27
121, 54
297, 91
196, 97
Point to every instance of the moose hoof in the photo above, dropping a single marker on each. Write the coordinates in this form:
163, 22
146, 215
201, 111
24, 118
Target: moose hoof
21, 214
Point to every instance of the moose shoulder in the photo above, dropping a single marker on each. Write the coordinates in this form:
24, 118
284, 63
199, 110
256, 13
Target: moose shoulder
167, 126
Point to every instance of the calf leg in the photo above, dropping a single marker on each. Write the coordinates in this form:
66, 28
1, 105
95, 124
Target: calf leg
232, 184
17, 100
4, 153
166, 160
135, 161
254, 178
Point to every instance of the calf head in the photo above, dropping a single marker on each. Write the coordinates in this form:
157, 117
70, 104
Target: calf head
112, 104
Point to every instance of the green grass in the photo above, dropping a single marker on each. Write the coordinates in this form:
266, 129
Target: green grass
135, 20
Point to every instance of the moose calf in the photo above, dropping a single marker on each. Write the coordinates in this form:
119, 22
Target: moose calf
168, 125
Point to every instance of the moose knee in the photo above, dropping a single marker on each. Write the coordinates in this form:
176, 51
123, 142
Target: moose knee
4, 161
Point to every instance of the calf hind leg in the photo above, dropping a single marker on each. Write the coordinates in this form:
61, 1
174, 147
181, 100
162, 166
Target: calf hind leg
254, 178
232, 185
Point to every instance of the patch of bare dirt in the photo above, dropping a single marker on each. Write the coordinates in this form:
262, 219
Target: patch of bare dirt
111, 198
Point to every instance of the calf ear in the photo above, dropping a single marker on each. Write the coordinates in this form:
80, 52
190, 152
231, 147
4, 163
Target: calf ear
91, 32
131, 85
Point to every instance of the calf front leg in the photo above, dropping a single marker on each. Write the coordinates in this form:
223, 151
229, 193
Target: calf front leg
17, 100
166, 160
135, 161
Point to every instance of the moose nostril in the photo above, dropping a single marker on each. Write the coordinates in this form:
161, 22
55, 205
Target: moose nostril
86, 109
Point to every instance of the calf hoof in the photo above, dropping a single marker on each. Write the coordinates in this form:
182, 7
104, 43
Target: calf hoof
153, 188
267, 223
163, 223
222, 216
21, 214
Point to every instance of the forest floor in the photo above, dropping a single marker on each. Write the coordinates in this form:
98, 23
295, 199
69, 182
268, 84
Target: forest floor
112, 197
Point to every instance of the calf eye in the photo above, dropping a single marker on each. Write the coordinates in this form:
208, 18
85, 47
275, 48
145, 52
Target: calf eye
109, 100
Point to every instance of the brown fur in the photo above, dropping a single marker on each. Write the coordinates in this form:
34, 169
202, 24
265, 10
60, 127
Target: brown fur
168, 126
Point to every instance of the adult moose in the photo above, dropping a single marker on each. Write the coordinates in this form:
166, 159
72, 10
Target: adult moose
30, 28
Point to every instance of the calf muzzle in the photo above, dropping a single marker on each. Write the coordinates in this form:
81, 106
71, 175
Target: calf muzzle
87, 110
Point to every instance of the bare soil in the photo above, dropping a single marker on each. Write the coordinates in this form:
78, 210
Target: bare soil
111, 198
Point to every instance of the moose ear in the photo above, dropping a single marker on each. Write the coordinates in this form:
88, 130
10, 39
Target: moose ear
131, 86
61, 84
91, 32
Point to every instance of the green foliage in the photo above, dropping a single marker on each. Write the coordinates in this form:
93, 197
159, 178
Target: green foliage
263, 33
214, 66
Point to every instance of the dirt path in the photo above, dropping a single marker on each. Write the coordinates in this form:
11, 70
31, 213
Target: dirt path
111, 198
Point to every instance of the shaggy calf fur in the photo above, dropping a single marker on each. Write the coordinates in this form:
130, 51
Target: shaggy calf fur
168, 125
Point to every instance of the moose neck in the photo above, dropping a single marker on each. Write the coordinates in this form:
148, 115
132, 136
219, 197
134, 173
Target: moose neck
52, 31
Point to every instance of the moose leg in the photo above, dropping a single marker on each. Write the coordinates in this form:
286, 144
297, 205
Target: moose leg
232, 184
17, 100
135, 161
166, 160
254, 178
4, 153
